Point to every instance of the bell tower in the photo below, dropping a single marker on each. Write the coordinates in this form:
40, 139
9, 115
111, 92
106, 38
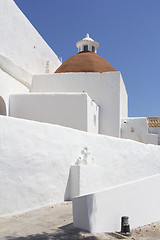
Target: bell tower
87, 44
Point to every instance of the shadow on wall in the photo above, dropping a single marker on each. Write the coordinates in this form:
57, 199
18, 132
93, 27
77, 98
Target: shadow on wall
67, 232
2, 107
92, 208
68, 188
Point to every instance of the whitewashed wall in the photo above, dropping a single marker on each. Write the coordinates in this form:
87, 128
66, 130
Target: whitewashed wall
155, 130
137, 129
35, 162
86, 179
92, 116
15, 71
102, 211
75, 110
9, 85
123, 100
103, 88
22, 44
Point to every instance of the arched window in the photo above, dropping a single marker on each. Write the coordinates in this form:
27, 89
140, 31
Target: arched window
2, 107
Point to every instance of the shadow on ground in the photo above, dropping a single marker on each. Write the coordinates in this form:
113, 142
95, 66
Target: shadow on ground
67, 232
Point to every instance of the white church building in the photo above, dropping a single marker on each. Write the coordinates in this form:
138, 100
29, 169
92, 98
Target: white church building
61, 133
84, 93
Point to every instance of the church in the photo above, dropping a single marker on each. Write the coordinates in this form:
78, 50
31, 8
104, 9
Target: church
84, 93
65, 131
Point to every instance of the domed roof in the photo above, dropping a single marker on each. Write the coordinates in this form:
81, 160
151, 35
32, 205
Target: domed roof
85, 62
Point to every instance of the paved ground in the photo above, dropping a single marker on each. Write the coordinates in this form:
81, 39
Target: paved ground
55, 222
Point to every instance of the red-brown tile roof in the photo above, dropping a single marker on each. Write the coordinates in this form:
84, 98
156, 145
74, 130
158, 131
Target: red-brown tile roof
153, 121
85, 62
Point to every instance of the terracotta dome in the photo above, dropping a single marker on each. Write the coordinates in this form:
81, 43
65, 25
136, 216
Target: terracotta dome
85, 62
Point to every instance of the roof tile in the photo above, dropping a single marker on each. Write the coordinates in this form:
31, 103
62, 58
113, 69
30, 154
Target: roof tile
153, 121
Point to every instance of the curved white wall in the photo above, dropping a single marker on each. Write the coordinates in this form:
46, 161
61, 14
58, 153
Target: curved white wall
22, 44
35, 161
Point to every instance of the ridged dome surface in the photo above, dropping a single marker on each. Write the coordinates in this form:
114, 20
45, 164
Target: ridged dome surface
85, 62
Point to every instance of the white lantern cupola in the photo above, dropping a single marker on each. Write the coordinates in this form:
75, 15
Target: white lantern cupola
87, 44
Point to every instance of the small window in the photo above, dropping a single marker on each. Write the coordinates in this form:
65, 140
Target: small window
93, 49
132, 129
85, 48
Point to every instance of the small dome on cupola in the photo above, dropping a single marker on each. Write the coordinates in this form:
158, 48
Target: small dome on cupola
86, 60
87, 44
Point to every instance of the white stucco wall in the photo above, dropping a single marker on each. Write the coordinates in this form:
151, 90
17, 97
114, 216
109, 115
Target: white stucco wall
155, 130
35, 162
123, 100
86, 179
103, 88
137, 129
75, 110
22, 44
9, 85
102, 211
92, 116
15, 71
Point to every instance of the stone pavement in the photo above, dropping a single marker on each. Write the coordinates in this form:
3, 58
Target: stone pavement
56, 222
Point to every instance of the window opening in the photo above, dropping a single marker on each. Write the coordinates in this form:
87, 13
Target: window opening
85, 48
93, 49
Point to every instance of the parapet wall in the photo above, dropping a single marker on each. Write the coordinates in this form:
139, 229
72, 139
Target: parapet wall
137, 129
35, 163
102, 211
74, 110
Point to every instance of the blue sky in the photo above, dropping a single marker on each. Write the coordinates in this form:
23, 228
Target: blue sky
128, 32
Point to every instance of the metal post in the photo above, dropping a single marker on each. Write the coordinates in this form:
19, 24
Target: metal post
125, 227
